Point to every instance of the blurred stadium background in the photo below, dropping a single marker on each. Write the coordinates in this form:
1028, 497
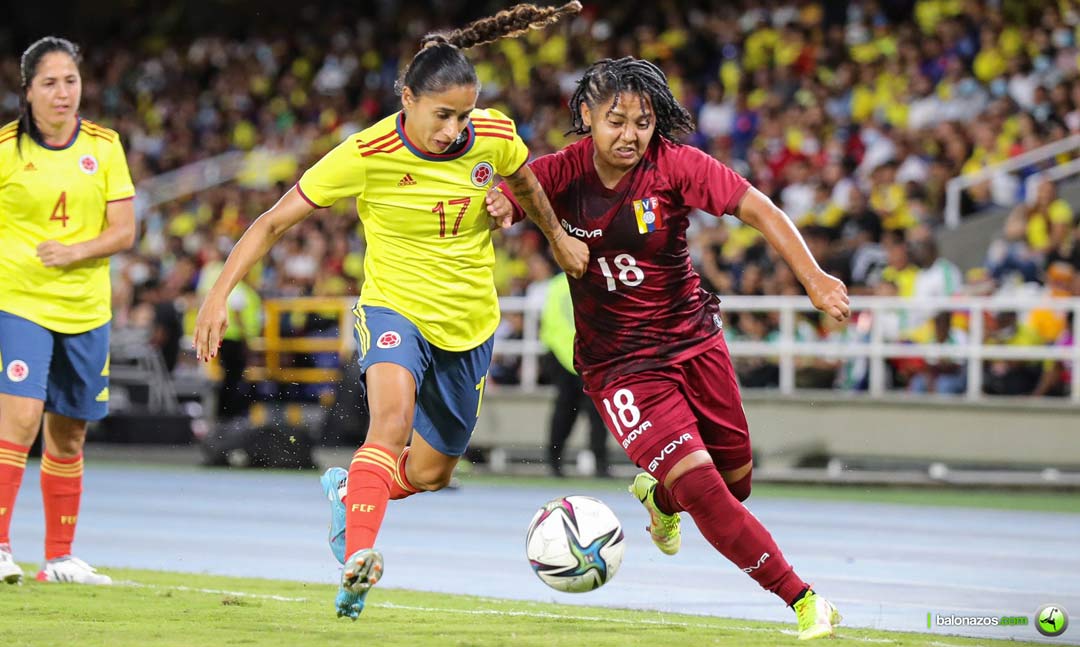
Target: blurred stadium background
927, 149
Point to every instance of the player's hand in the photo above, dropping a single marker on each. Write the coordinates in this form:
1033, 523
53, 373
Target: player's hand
829, 294
210, 327
56, 254
571, 254
499, 209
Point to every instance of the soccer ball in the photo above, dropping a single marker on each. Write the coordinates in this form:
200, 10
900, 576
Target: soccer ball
575, 544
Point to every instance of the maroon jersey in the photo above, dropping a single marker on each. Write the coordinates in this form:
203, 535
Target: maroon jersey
640, 304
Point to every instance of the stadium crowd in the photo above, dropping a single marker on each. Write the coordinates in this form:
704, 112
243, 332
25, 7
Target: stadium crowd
852, 121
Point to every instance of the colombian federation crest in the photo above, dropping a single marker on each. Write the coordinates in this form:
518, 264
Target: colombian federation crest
17, 371
389, 339
647, 213
88, 164
482, 173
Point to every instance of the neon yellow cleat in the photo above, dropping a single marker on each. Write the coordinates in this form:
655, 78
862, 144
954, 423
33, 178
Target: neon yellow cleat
664, 528
817, 617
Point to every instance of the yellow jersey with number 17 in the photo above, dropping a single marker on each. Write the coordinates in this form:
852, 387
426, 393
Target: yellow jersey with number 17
60, 194
429, 254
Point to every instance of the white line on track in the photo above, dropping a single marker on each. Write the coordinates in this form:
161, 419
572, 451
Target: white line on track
239, 594
543, 615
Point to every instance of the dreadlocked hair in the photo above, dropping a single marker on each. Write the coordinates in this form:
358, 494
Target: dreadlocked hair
508, 23
440, 64
607, 79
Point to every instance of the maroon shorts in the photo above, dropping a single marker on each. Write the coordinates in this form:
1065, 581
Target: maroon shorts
659, 416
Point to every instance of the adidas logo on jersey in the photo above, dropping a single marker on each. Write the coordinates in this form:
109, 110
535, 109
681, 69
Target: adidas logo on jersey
29, 167
407, 180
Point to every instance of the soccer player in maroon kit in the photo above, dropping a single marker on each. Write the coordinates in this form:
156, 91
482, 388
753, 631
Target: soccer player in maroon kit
650, 345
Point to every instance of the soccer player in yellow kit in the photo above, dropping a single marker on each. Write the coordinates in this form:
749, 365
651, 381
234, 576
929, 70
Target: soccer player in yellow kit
66, 205
428, 306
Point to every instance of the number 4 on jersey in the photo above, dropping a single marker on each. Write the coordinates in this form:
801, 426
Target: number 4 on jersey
59, 211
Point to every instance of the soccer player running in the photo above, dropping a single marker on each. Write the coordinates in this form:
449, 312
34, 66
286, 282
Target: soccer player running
650, 346
66, 205
428, 307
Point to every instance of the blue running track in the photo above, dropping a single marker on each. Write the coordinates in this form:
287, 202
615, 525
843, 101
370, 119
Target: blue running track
885, 566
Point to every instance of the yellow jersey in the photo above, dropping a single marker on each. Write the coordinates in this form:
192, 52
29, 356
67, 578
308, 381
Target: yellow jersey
429, 255
58, 193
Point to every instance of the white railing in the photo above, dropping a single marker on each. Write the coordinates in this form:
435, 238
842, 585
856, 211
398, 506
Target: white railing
187, 180
877, 349
1053, 174
956, 186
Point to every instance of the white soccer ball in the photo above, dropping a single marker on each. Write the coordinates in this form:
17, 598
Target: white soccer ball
575, 544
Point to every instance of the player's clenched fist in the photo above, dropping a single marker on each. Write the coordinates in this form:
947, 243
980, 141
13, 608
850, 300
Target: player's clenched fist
571, 254
56, 254
829, 294
499, 209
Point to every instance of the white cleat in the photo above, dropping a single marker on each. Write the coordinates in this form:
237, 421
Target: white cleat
72, 570
9, 570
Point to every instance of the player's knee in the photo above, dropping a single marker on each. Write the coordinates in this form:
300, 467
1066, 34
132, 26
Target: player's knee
21, 423
740, 489
68, 445
431, 479
691, 461
738, 480
390, 429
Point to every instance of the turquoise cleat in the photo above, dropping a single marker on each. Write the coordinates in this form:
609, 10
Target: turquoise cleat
333, 482
362, 571
349, 604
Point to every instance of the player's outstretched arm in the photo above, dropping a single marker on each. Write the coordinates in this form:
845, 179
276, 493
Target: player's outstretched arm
253, 245
570, 253
826, 292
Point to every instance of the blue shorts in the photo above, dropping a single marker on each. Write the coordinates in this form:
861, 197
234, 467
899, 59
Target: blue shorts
449, 385
70, 373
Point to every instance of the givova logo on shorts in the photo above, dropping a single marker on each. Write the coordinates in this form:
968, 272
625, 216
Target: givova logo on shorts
625, 417
668, 450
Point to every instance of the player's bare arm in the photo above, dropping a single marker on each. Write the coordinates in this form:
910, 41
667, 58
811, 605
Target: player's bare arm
826, 292
118, 235
267, 229
570, 253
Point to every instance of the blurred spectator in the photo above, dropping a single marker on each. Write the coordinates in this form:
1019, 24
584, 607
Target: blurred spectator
557, 333
944, 375
160, 316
